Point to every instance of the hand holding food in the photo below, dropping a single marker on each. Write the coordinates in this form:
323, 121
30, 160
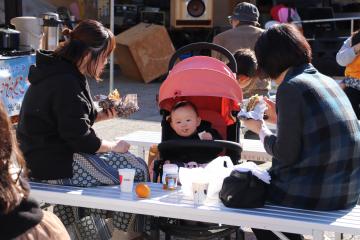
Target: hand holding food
253, 125
106, 114
271, 111
124, 106
253, 101
254, 108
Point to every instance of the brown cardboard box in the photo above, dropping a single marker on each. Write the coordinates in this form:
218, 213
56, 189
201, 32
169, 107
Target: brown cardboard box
143, 51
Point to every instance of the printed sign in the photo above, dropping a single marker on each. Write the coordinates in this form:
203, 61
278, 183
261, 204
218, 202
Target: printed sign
14, 81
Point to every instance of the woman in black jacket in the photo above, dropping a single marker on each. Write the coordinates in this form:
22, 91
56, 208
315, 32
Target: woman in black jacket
55, 127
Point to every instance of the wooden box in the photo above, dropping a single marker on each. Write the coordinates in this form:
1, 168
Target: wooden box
143, 51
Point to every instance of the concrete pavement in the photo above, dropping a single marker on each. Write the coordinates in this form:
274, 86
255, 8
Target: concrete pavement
147, 118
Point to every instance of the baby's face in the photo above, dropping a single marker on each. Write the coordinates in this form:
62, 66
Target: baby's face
184, 121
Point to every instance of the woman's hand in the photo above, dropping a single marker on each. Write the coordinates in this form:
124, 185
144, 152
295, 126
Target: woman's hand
121, 147
106, 114
110, 146
271, 111
253, 125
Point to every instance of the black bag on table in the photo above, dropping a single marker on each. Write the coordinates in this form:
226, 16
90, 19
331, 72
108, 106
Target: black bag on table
243, 190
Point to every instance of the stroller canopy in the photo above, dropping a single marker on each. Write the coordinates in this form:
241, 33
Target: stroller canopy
200, 76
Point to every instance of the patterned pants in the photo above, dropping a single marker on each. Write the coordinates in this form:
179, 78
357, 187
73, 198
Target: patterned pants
95, 170
352, 82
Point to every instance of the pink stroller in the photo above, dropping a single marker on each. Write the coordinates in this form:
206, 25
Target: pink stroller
212, 87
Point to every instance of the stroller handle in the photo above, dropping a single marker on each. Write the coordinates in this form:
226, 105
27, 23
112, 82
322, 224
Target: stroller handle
229, 145
197, 47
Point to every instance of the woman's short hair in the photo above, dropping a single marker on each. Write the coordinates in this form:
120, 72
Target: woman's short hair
280, 47
89, 36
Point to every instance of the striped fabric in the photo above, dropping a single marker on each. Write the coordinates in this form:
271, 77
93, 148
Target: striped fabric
316, 151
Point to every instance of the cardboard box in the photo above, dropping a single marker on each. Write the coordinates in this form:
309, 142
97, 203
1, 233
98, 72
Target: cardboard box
143, 51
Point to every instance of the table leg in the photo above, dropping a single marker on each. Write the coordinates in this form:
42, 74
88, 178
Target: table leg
141, 152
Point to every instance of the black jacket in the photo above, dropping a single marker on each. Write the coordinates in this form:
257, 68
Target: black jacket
56, 118
24, 217
190, 153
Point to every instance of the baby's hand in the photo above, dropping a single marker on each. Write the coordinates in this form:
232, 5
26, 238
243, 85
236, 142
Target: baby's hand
205, 136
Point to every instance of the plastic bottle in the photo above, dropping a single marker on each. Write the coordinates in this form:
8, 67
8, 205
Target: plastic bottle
170, 176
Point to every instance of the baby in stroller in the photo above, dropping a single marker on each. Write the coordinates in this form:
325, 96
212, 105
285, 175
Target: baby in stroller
197, 101
185, 123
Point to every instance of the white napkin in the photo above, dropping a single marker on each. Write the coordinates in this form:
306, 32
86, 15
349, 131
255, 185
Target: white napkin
256, 171
257, 113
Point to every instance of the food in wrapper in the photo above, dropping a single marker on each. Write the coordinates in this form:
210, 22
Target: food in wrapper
127, 105
114, 95
124, 106
254, 109
253, 101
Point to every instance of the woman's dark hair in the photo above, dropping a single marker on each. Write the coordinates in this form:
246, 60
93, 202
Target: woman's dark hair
280, 47
10, 156
89, 36
246, 62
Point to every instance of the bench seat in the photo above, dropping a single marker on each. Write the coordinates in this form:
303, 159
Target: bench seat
174, 204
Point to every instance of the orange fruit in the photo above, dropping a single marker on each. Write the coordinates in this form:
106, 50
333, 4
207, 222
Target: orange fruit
142, 190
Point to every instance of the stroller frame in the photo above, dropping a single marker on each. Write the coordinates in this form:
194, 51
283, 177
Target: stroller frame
233, 149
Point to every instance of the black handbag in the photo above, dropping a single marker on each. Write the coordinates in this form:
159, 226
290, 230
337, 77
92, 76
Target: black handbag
243, 190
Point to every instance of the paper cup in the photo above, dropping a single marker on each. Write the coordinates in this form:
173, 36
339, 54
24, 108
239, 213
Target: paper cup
199, 190
126, 177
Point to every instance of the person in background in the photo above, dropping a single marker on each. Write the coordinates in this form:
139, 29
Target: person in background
55, 127
316, 161
20, 216
244, 33
246, 71
348, 56
284, 13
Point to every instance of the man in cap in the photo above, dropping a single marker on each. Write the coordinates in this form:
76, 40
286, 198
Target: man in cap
244, 34
245, 29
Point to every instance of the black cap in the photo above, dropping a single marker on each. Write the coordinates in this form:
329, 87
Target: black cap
245, 12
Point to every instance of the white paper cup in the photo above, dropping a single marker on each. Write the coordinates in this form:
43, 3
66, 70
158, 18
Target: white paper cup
126, 177
199, 190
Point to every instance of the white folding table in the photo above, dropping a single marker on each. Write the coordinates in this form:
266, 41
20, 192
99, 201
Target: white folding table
252, 149
174, 204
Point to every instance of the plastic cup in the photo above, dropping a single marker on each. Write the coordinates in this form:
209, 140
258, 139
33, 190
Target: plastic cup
126, 177
199, 190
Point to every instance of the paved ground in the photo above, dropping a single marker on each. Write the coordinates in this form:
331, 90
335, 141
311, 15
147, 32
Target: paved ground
147, 118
